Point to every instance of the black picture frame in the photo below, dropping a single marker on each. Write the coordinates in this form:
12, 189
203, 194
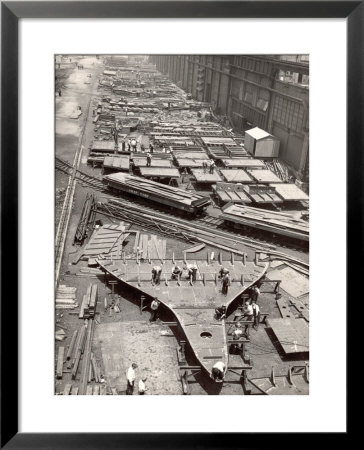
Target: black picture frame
11, 12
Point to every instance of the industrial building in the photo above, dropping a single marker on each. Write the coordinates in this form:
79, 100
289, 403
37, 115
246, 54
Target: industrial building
269, 92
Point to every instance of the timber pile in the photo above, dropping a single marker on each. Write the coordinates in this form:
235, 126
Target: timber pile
235, 152
87, 217
231, 192
66, 297
150, 247
279, 168
89, 303
108, 239
274, 222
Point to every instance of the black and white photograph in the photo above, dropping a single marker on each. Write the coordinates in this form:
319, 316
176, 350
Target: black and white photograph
181, 224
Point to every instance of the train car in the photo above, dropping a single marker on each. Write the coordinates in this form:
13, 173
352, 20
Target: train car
177, 198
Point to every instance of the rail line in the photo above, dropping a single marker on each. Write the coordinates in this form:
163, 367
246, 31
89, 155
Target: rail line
210, 223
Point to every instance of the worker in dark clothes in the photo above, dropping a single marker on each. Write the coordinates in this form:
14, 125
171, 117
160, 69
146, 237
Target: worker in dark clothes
155, 308
255, 291
218, 371
191, 271
225, 283
223, 271
149, 160
156, 274
220, 312
176, 272
204, 166
151, 148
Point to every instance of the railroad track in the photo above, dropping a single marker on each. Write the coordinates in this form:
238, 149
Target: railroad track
211, 223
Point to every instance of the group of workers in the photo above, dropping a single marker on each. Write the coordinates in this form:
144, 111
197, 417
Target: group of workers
130, 379
177, 272
208, 166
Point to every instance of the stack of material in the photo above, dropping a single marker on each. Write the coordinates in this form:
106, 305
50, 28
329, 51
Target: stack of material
156, 162
103, 146
150, 247
279, 168
264, 176
117, 163
218, 141
274, 222
157, 192
87, 217
66, 297
245, 163
217, 152
262, 193
231, 192
235, 151
89, 302
103, 241
236, 175
290, 192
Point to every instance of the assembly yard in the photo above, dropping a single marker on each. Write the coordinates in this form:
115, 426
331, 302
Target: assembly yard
149, 179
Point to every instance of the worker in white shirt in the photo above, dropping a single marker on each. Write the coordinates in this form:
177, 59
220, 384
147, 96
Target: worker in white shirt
237, 334
218, 371
223, 271
154, 306
156, 274
149, 159
134, 145
256, 314
141, 386
130, 377
247, 315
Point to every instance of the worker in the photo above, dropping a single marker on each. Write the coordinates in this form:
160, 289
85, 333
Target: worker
237, 334
141, 386
154, 306
156, 274
247, 315
130, 377
151, 148
220, 312
204, 166
149, 160
142, 148
225, 283
134, 145
164, 149
223, 271
212, 166
176, 272
254, 293
191, 271
129, 145
256, 314
218, 371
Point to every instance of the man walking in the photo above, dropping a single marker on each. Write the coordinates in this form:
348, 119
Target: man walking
225, 283
130, 377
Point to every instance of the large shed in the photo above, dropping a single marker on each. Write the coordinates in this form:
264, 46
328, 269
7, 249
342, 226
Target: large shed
259, 143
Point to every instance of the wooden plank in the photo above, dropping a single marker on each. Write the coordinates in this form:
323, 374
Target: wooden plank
67, 389
72, 345
89, 390
74, 390
60, 357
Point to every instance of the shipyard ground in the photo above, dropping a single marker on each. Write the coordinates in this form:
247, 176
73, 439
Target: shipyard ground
127, 336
